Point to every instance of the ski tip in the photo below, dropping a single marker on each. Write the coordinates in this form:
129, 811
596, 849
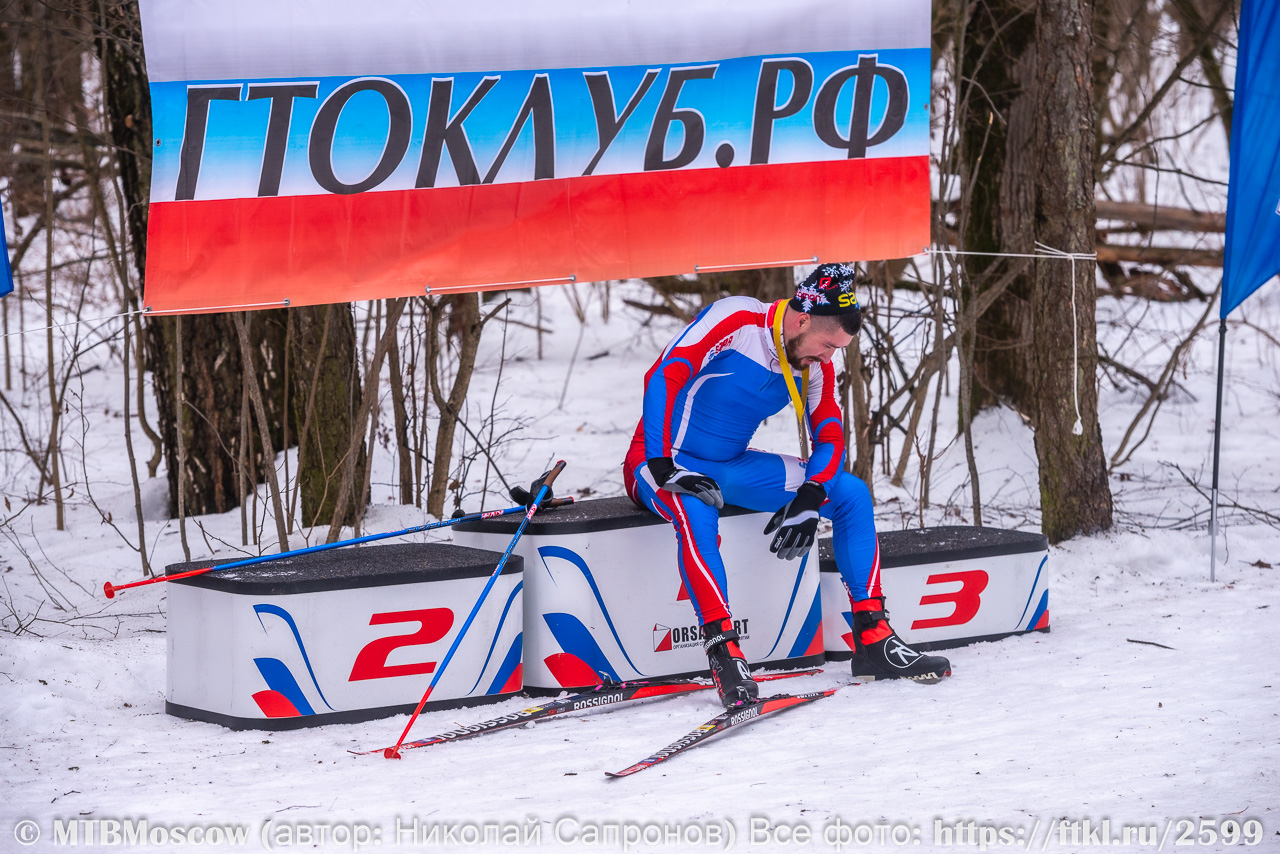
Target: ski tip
391, 753
625, 772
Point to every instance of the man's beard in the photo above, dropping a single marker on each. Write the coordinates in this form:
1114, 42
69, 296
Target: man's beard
791, 346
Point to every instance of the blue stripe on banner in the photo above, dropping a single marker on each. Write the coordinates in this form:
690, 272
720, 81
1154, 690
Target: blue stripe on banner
575, 639
6, 275
1253, 195
810, 627
280, 679
509, 665
403, 131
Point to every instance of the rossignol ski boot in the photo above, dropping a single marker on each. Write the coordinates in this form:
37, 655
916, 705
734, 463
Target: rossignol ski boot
729, 668
880, 654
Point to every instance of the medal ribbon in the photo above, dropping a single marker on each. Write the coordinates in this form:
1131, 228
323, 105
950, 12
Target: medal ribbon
797, 397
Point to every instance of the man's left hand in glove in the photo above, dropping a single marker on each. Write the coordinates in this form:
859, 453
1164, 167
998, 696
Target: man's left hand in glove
797, 523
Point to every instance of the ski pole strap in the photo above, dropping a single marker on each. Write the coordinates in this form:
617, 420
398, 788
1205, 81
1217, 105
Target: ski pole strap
797, 399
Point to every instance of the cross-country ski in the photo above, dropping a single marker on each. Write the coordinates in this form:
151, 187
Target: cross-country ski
748, 713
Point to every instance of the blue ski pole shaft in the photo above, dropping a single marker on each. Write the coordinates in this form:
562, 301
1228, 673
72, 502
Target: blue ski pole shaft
549, 478
110, 589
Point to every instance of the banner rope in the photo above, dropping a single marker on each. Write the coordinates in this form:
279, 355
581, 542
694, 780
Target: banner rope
71, 323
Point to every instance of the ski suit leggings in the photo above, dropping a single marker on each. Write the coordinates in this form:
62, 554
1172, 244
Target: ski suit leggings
756, 480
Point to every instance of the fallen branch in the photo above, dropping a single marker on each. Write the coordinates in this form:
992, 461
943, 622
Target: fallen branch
1161, 218
1167, 256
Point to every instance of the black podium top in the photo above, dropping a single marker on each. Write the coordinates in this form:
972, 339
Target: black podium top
342, 569
583, 517
945, 543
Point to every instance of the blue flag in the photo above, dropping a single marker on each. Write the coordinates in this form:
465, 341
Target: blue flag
6, 272
1253, 197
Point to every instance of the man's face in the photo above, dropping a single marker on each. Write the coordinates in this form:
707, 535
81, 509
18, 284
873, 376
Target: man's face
818, 341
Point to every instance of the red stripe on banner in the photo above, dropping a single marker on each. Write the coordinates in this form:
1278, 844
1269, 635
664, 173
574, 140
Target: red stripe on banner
312, 250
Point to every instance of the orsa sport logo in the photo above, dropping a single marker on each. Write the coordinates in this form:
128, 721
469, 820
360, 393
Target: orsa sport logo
667, 638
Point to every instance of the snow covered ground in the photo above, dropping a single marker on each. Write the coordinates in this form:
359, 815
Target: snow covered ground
1155, 699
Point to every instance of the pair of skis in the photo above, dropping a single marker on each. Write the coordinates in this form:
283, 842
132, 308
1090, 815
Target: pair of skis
610, 694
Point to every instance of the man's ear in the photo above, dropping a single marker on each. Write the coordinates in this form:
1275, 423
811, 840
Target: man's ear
802, 322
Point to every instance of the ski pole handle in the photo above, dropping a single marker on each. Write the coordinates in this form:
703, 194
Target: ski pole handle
555, 471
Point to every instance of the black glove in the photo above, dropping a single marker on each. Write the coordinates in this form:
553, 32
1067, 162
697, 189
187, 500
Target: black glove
520, 495
672, 478
797, 523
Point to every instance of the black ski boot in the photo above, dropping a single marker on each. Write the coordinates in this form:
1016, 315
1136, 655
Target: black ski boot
729, 668
880, 654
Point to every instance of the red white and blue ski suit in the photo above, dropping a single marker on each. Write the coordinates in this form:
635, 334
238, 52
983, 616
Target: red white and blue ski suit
703, 401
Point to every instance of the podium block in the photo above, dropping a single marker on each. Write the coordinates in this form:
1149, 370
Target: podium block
603, 594
947, 587
341, 636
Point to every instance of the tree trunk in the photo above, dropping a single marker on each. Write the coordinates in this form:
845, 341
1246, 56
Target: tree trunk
326, 393
42, 46
212, 374
999, 124
404, 453
127, 99
127, 104
1075, 496
463, 321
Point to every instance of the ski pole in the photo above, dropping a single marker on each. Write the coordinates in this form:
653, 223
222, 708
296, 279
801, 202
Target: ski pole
110, 589
546, 480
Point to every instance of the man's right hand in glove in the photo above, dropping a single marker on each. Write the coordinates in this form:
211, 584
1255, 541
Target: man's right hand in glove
673, 478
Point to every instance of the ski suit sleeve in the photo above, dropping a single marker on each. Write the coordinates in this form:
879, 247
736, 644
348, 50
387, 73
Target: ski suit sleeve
825, 425
711, 332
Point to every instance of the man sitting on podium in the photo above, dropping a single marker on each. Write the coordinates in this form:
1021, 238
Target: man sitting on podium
736, 364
